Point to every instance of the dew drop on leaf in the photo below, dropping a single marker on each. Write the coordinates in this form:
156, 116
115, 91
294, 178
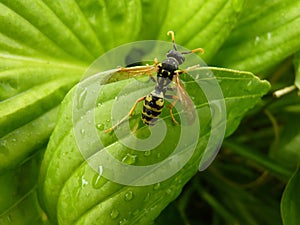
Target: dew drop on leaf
269, 35
147, 197
129, 159
100, 126
156, 186
81, 98
98, 181
84, 182
123, 221
128, 196
169, 191
114, 214
257, 40
147, 153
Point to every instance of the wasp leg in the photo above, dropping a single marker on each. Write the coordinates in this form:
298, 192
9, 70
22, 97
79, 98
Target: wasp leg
178, 72
176, 98
127, 116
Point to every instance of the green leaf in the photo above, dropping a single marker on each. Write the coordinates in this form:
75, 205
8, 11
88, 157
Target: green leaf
287, 148
55, 29
266, 34
45, 47
74, 190
290, 203
235, 204
200, 23
297, 69
29, 111
18, 194
154, 13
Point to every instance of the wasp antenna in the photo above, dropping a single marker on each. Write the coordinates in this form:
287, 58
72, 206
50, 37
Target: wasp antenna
198, 50
173, 38
194, 50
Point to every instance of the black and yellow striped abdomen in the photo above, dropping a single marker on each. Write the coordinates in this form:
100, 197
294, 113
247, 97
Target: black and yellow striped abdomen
153, 105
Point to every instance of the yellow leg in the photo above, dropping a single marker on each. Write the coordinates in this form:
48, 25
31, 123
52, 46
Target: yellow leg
127, 116
171, 107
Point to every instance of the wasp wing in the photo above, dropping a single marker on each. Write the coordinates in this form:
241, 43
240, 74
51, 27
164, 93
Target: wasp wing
123, 73
186, 101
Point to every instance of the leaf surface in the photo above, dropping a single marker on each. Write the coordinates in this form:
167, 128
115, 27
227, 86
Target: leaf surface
290, 203
266, 34
74, 177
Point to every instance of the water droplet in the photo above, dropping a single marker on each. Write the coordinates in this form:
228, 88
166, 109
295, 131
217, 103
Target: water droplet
114, 213
178, 180
123, 221
169, 191
9, 219
100, 170
128, 195
156, 186
84, 182
13, 140
269, 35
81, 98
129, 159
98, 180
147, 153
147, 197
99, 104
3, 143
82, 131
257, 40
100, 126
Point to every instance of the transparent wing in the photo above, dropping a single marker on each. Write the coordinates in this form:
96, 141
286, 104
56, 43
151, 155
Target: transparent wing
133, 72
186, 101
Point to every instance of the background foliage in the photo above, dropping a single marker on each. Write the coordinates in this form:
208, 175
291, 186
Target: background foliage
45, 47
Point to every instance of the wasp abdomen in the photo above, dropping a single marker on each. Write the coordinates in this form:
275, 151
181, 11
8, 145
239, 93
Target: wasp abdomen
153, 105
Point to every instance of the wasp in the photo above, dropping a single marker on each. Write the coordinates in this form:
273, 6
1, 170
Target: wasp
166, 72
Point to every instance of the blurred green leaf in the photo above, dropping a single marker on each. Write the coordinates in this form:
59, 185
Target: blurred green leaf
170, 215
199, 23
244, 206
290, 203
287, 148
266, 34
297, 69
18, 195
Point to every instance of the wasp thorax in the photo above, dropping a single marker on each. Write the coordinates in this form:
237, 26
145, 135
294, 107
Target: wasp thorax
176, 55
